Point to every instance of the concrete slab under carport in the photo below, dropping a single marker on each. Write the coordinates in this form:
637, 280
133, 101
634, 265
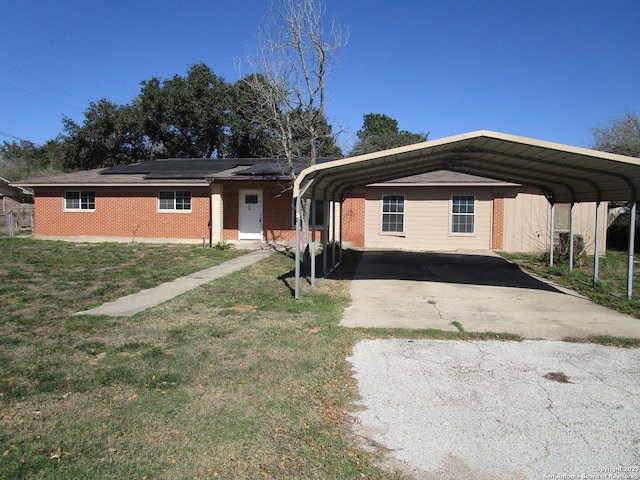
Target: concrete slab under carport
480, 290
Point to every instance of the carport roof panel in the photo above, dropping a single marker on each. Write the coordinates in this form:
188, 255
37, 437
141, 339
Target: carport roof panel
564, 173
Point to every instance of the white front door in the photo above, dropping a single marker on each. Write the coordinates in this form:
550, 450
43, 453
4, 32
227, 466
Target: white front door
250, 215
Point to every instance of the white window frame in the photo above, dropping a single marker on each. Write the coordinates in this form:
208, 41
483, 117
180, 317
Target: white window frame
86, 201
173, 208
465, 213
391, 212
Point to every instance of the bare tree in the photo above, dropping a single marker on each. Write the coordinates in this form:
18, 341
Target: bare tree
622, 136
295, 56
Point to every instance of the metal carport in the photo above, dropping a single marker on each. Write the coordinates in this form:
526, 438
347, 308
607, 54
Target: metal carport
565, 174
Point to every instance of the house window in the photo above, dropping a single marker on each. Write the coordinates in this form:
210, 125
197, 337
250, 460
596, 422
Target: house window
179, 200
81, 200
393, 213
463, 213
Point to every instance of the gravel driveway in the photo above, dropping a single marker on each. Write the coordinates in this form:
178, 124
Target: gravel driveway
481, 410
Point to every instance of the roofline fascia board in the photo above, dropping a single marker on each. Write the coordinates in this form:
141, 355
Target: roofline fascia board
136, 184
248, 178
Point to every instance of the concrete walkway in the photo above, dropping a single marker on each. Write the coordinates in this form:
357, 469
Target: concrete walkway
138, 302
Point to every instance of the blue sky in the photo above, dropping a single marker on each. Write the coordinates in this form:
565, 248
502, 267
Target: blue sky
549, 69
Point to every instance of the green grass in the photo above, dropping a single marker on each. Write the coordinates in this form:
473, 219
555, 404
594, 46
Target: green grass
234, 379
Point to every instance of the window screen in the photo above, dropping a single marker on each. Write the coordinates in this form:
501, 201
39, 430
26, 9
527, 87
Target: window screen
463, 214
393, 213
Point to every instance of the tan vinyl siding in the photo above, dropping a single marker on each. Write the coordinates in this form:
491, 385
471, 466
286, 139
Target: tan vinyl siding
527, 222
428, 219
526, 218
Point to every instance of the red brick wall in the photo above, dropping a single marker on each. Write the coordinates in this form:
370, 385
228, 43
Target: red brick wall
277, 213
353, 218
122, 212
497, 233
133, 213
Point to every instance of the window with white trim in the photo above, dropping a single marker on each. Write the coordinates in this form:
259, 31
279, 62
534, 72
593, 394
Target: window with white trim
80, 200
179, 200
393, 213
463, 213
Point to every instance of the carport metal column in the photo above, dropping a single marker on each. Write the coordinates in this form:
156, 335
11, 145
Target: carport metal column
596, 257
632, 246
313, 240
571, 217
325, 243
298, 228
333, 235
340, 226
552, 227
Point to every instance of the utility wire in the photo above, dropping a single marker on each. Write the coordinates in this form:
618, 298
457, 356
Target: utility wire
42, 81
18, 138
41, 96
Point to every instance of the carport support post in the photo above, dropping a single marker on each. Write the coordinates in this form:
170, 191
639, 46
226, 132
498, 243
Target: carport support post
632, 245
297, 266
298, 228
340, 226
552, 228
571, 236
313, 241
333, 234
596, 258
10, 223
325, 243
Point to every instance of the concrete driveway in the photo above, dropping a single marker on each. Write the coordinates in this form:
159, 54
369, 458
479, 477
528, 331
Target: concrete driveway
497, 410
491, 409
481, 291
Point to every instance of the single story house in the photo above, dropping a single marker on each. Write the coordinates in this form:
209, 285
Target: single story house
210, 200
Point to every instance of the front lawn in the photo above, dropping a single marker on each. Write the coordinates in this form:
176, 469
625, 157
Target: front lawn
235, 379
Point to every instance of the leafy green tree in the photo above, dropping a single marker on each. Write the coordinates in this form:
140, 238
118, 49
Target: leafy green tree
380, 132
246, 137
111, 134
621, 137
24, 159
186, 116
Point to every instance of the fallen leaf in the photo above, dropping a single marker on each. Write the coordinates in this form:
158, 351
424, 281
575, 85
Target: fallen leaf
557, 377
